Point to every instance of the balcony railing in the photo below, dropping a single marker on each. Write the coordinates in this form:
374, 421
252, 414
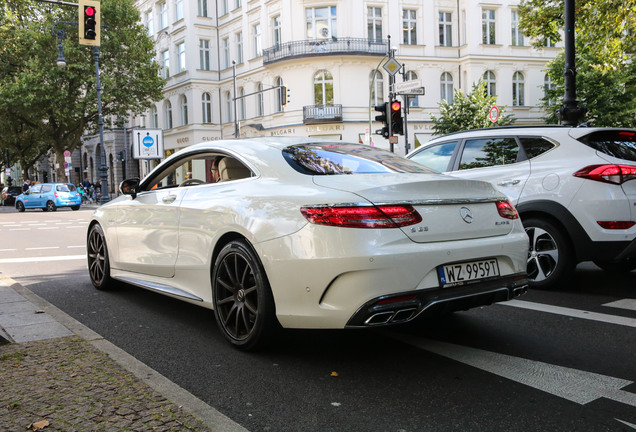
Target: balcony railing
305, 48
314, 114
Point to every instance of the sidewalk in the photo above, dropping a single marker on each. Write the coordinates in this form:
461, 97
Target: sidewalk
58, 375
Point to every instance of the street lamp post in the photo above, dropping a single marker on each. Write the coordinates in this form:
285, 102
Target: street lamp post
61, 63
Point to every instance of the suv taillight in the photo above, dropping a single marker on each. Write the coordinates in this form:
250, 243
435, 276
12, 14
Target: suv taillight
615, 174
383, 216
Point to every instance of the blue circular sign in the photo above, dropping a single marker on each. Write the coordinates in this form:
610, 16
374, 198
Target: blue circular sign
148, 141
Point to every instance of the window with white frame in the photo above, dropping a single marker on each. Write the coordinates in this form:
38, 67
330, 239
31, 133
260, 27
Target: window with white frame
323, 88
206, 106
165, 60
260, 108
168, 115
181, 57
488, 26
409, 26
517, 35
224, 8
178, 10
548, 88
256, 38
239, 47
163, 15
414, 101
149, 23
321, 23
184, 110
491, 83
374, 24
518, 89
377, 87
229, 112
277, 36
155, 117
241, 103
446, 29
202, 8
446, 87
204, 54
226, 52
549, 43
279, 102
238, 4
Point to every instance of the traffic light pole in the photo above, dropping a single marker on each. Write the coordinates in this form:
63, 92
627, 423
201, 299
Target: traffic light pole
103, 168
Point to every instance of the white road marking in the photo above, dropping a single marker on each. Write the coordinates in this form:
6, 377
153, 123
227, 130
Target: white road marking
48, 228
20, 229
574, 385
43, 248
629, 304
40, 259
8, 250
626, 423
575, 313
71, 247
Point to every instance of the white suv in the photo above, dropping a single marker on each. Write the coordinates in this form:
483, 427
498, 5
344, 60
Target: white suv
571, 187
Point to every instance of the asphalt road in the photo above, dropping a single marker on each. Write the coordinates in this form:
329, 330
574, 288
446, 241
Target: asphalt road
550, 361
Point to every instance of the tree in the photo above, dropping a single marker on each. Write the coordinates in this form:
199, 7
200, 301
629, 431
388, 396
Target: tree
605, 46
61, 105
469, 111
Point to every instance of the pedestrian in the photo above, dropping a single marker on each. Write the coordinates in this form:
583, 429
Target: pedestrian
87, 184
26, 185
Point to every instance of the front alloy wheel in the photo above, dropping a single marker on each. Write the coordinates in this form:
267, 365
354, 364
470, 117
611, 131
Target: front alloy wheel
550, 259
20, 206
243, 302
97, 254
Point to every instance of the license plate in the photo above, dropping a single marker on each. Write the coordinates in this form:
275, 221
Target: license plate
468, 271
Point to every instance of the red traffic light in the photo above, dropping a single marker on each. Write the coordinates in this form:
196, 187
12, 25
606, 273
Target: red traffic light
89, 11
396, 106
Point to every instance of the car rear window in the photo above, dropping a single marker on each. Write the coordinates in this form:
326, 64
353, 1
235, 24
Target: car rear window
65, 188
616, 143
345, 158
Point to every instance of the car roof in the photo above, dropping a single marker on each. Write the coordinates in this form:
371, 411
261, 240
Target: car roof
574, 132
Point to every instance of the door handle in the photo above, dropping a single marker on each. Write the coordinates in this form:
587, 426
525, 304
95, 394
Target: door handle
508, 182
169, 199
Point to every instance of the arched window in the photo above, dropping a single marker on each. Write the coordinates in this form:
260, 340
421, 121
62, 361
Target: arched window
491, 83
241, 103
168, 115
446, 87
323, 88
377, 87
518, 89
206, 105
259, 100
184, 110
414, 101
279, 102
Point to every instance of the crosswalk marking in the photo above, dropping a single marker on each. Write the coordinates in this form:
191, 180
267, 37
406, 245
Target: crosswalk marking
41, 259
629, 304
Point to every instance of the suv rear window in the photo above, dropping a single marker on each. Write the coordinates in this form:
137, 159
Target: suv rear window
616, 143
345, 158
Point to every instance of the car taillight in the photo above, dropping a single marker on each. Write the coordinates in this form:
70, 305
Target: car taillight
615, 174
507, 210
383, 216
55, 194
616, 225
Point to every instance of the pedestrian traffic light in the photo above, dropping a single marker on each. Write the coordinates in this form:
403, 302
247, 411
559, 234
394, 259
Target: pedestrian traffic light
89, 23
384, 118
397, 127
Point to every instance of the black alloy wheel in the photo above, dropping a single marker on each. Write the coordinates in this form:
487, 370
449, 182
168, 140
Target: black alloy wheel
550, 258
243, 301
50, 206
97, 254
20, 206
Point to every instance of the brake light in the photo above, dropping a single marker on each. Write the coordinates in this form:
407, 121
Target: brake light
385, 216
507, 210
616, 225
615, 174
55, 194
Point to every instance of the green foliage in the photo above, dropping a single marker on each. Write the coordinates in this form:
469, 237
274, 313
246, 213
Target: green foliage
43, 106
605, 46
469, 111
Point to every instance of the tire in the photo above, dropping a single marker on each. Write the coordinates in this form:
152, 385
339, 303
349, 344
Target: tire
75, 207
617, 266
20, 206
50, 206
551, 260
243, 302
97, 256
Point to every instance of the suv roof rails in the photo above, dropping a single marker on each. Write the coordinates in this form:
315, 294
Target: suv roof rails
507, 127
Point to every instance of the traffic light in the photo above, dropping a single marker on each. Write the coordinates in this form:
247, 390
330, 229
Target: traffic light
384, 118
397, 127
89, 23
284, 96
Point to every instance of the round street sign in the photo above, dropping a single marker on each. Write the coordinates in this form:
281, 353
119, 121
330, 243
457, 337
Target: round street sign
67, 153
148, 141
493, 115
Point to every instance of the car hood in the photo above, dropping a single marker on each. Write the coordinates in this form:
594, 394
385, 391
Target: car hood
442, 201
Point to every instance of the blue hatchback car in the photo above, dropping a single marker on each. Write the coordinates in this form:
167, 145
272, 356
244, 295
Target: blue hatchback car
49, 196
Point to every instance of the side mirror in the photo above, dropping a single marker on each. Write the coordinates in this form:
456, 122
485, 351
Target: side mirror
129, 187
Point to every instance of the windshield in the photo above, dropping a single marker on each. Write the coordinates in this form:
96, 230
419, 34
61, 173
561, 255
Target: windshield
347, 158
65, 188
616, 143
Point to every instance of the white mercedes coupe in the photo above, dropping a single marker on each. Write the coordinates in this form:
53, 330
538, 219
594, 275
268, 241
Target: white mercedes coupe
305, 233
